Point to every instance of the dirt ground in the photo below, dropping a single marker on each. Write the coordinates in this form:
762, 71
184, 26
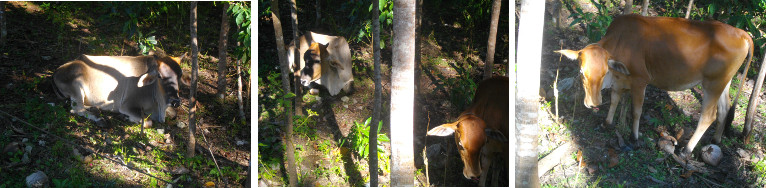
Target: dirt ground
599, 160
40, 41
446, 50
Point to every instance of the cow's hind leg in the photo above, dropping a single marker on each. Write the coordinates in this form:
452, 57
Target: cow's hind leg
712, 92
79, 107
723, 108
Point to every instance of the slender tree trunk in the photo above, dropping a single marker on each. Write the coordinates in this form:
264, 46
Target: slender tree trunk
223, 39
402, 94
291, 169
239, 89
318, 18
3, 31
689, 9
645, 8
373, 155
753, 104
297, 80
512, 94
628, 7
193, 92
527, 101
488, 65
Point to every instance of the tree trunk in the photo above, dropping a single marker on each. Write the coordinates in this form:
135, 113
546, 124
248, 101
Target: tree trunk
402, 94
488, 65
628, 7
527, 101
297, 80
512, 94
194, 67
3, 31
223, 39
318, 18
239, 90
753, 104
291, 169
689, 9
373, 154
645, 8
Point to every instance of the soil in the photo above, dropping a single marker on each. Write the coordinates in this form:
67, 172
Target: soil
599, 160
38, 44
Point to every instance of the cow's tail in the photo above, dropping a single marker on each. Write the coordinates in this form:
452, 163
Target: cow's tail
730, 114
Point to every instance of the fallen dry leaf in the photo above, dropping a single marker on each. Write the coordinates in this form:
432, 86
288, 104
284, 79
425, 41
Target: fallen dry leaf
688, 174
614, 159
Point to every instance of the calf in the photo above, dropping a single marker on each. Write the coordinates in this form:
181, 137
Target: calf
670, 53
138, 86
480, 131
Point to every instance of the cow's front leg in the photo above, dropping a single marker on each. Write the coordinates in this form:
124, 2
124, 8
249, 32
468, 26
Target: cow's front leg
135, 115
637, 93
616, 94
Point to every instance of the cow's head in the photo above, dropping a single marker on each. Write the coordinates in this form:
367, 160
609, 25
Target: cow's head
167, 71
313, 61
471, 135
595, 62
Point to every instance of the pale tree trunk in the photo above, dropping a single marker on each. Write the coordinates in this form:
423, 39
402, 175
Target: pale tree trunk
689, 9
297, 80
645, 8
222, 43
512, 93
488, 65
527, 101
3, 31
753, 104
194, 66
376, 104
402, 94
239, 88
291, 168
628, 7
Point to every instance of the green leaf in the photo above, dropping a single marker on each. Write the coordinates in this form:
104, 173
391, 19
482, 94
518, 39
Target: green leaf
381, 5
240, 18
711, 9
290, 95
383, 138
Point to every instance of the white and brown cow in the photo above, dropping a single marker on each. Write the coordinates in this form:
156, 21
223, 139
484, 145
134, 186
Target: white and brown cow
325, 60
136, 86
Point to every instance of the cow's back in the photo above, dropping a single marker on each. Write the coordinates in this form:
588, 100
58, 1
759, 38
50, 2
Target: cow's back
673, 53
490, 103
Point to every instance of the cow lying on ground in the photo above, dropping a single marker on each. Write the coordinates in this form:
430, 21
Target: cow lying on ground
328, 63
480, 131
670, 53
138, 86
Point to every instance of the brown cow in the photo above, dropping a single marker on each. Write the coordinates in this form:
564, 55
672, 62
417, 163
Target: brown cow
480, 130
670, 53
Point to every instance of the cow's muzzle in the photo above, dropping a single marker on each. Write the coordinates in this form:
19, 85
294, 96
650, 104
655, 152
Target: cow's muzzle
175, 102
305, 82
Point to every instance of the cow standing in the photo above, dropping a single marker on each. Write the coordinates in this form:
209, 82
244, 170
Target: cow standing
670, 53
137, 86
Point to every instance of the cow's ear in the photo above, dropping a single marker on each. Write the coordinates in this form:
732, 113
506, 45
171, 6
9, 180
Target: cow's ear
571, 54
495, 134
443, 130
186, 80
147, 79
618, 66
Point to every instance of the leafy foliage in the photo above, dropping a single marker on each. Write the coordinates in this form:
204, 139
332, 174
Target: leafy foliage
595, 23
241, 13
360, 139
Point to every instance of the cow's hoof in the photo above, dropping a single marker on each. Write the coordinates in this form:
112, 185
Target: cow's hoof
684, 154
636, 143
101, 123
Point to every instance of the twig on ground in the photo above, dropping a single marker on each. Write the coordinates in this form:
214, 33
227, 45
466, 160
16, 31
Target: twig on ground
225, 180
656, 180
554, 158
